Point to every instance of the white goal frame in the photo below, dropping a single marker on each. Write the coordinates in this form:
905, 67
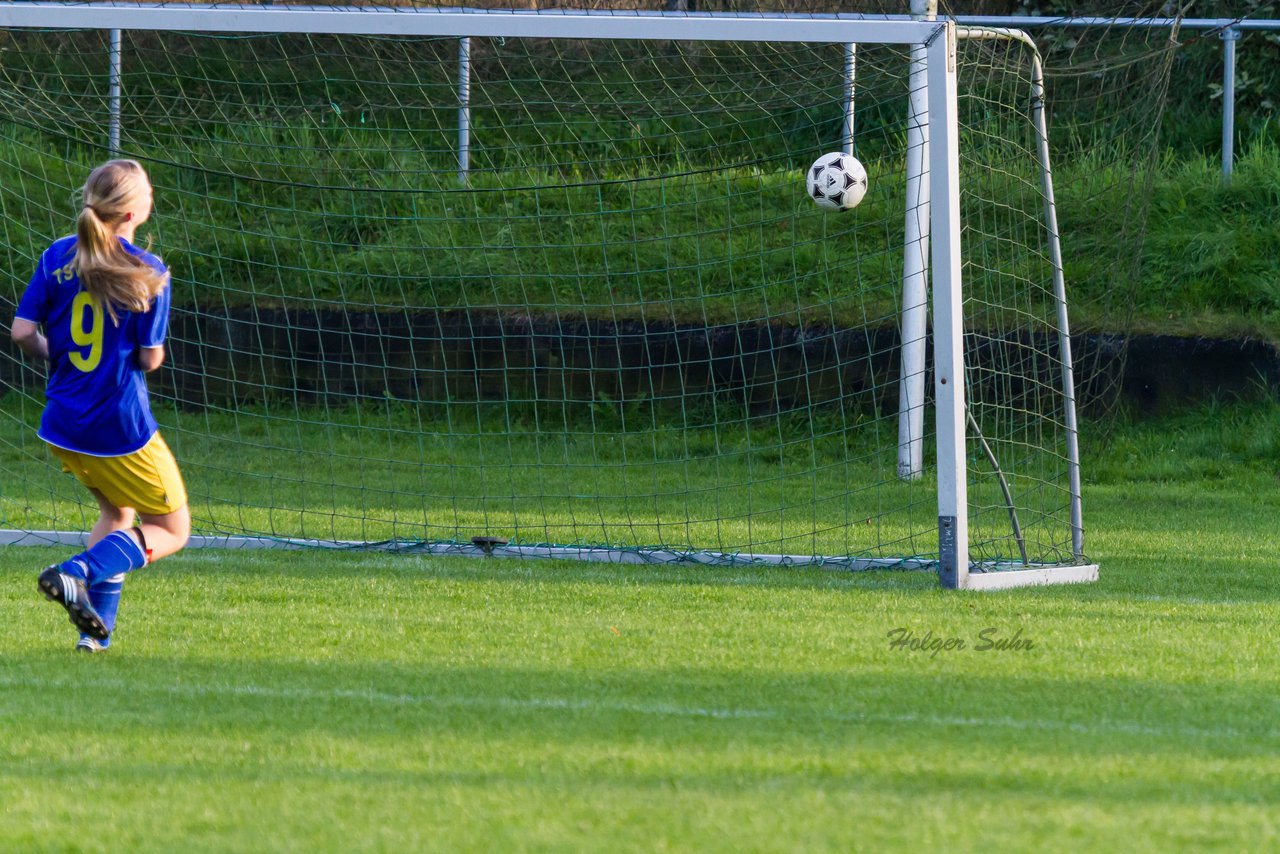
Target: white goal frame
936, 39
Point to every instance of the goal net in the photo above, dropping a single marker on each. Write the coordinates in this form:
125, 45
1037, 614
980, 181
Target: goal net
559, 285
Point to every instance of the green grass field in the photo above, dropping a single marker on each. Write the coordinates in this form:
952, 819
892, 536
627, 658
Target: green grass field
278, 701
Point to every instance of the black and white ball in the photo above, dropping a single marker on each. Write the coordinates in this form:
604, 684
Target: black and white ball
837, 181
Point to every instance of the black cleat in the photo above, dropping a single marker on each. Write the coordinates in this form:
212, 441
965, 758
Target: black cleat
71, 593
90, 645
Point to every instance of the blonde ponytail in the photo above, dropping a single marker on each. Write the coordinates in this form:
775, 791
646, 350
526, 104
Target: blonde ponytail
106, 270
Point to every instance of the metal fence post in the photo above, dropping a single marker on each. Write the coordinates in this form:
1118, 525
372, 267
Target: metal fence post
115, 57
464, 108
1229, 36
850, 71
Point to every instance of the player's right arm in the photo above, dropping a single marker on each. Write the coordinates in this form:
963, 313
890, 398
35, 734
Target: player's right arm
33, 309
26, 334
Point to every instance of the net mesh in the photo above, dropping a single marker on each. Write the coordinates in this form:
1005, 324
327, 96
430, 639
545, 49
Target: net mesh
625, 327
1109, 87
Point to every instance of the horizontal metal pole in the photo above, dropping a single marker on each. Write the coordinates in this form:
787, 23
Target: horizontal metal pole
1135, 23
554, 23
1032, 21
1032, 577
369, 20
987, 574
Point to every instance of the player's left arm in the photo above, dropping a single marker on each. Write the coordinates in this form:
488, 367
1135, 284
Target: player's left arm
27, 335
150, 358
151, 330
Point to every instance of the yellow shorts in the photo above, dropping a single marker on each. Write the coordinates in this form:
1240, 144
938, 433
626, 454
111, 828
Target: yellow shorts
147, 480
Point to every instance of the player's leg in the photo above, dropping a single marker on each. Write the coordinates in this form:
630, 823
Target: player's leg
110, 518
121, 551
147, 480
164, 534
89, 584
91, 645
158, 536
166, 520
104, 593
71, 591
68, 583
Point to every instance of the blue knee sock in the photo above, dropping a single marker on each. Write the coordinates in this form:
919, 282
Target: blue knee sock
104, 596
116, 553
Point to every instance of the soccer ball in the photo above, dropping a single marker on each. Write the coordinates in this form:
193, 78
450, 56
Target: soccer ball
837, 181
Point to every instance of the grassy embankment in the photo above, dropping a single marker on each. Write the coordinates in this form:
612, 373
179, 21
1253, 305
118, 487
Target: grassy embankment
710, 247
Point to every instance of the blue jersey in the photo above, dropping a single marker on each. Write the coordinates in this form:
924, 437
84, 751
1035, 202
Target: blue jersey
96, 400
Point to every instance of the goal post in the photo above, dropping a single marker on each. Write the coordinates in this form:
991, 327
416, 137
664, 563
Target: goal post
915, 268
948, 310
624, 335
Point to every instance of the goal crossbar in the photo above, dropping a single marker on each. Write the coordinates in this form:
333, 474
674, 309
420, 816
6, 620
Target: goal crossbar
388, 21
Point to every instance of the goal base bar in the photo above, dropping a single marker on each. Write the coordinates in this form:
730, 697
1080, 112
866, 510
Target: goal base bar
595, 554
994, 579
1006, 579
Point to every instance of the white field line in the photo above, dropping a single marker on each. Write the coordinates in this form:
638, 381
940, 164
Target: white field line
657, 709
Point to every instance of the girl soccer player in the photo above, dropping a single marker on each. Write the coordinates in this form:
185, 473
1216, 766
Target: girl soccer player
104, 306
